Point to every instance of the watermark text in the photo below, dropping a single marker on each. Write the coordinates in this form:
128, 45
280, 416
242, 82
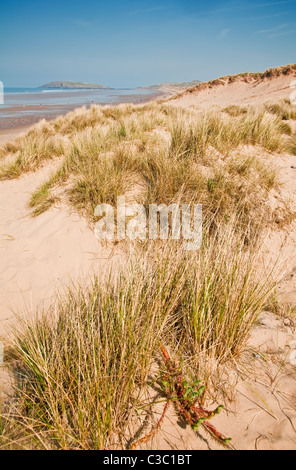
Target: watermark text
293, 94
1, 93
293, 354
159, 222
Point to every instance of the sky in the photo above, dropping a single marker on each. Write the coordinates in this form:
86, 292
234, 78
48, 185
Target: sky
127, 43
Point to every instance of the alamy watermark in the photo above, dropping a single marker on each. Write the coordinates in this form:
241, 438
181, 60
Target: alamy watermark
159, 222
293, 94
1, 93
293, 354
1, 354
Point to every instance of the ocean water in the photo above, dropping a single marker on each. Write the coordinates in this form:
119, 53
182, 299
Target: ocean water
39, 96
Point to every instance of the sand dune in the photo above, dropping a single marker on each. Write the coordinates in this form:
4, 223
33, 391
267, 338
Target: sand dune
40, 255
240, 90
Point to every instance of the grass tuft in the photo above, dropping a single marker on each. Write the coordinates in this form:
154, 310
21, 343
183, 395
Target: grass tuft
82, 368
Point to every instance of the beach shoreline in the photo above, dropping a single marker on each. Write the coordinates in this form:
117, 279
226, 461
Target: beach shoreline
21, 117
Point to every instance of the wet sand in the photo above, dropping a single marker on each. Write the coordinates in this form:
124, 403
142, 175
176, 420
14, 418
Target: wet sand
24, 116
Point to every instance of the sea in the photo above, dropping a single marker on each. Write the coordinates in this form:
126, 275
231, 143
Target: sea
63, 97
25, 106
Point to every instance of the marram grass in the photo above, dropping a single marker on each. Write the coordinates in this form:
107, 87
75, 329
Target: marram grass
82, 368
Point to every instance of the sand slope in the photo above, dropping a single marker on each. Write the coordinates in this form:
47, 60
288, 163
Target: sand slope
40, 255
241, 91
260, 403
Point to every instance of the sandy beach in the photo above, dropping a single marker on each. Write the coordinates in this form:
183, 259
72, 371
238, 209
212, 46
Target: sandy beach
42, 255
25, 115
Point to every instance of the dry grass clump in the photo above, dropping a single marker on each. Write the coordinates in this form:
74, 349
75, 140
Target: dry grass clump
179, 155
283, 108
81, 369
78, 120
235, 110
278, 71
133, 124
31, 152
292, 145
80, 374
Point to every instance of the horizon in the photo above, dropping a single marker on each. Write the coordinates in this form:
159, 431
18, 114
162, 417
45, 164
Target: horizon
138, 44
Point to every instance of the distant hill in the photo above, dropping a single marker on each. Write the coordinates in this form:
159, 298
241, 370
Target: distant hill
72, 85
175, 85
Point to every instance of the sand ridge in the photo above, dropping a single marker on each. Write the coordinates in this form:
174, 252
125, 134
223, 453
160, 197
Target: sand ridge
238, 92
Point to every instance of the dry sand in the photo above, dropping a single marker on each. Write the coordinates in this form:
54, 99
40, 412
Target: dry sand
260, 406
40, 255
259, 389
239, 93
7, 135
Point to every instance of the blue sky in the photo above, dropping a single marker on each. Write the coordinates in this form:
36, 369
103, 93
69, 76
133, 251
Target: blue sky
136, 43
